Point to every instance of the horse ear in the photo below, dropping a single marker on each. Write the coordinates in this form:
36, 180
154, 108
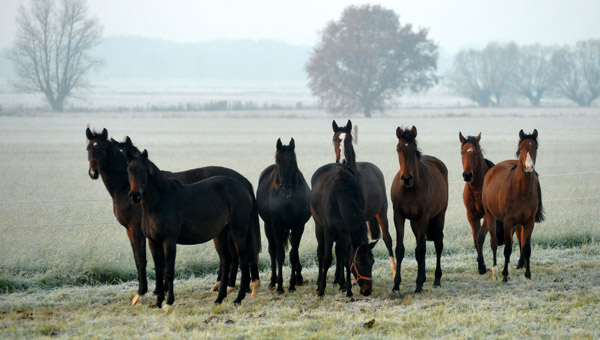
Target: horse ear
335, 126
349, 126
292, 144
104, 134
128, 140
371, 245
535, 134
145, 155
88, 133
399, 132
279, 145
478, 138
112, 140
413, 132
129, 155
521, 134
461, 137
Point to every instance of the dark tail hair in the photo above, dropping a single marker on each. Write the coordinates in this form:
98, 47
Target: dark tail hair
500, 232
539, 215
253, 241
374, 229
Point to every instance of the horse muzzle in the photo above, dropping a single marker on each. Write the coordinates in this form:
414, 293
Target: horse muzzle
136, 197
366, 289
408, 181
467, 176
93, 173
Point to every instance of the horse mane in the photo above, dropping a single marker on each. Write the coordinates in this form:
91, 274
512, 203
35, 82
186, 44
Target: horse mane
470, 139
408, 137
489, 163
163, 183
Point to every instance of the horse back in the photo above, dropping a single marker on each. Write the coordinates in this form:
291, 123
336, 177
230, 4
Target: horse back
199, 174
373, 188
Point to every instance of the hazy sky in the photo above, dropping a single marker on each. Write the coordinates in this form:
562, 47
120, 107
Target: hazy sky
452, 23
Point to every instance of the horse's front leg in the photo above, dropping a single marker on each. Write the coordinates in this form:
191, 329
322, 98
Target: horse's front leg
138, 244
521, 239
296, 276
490, 222
399, 224
170, 249
280, 238
526, 250
272, 253
158, 256
387, 238
479, 232
419, 227
508, 231
327, 259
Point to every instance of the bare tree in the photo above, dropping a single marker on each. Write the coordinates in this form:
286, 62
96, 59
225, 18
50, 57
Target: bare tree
484, 76
366, 58
577, 72
533, 77
51, 49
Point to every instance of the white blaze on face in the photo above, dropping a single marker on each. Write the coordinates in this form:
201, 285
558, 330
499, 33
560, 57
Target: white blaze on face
95, 143
342, 153
470, 150
529, 163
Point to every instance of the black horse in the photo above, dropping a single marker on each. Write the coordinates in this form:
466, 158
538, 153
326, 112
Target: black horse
284, 204
337, 206
196, 175
106, 161
213, 209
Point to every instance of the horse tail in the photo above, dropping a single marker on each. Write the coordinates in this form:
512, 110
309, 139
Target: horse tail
374, 229
489, 163
253, 240
500, 232
539, 215
285, 235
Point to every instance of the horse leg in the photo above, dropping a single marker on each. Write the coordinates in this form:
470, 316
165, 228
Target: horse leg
280, 239
233, 269
478, 240
526, 251
272, 253
438, 241
239, 230
138, 244
320, 252
347, 265
508, 231
327, 259
339, 267
224, 263
520, 237
490, 222
158, 256
387, 238
399, 224
296, 276
170, 249
419, 228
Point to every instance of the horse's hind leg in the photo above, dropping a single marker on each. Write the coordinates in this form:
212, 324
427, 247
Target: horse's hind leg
490, 222
280, 239
224, 263
521, 239
399, 224
526, 250
158, 256
338, 276
296, 276
170, 248
387, 238
508, 231
419, 228
479, 232
438, 240
327, 259
138, 244
272, 254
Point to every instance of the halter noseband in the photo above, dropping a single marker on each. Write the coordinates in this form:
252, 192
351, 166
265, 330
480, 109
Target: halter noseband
354, 267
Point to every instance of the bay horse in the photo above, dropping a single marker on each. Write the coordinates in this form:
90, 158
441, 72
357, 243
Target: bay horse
337, 206
283, 198
196, 175
372, 184
172, 213
106, 161
419, 194
475, 166
512, 194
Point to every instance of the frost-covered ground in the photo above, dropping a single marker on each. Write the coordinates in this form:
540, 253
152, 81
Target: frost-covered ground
66, 266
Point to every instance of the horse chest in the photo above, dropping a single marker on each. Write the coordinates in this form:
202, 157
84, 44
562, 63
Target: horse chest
474, 203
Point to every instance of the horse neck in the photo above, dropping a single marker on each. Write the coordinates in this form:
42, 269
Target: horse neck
114, 174
350, 157
524, 182
479, 173
157, 185
358, 238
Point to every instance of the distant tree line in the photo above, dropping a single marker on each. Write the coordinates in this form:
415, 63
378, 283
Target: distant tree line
498, 71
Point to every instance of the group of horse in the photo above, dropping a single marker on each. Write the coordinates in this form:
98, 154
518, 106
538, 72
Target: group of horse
348, 203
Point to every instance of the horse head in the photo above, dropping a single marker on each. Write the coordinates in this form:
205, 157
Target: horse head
98, 149
470, 152
285, 161
362, 267
527, 151
137, 171
125, 146
342, 143
408, 155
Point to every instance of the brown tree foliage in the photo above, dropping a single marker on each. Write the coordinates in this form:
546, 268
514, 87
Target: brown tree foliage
51, 48
366, 58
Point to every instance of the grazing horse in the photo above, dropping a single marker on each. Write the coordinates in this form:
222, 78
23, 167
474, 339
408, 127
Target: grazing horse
337, 206
196, 175
420, 194
512, 194
474, 169
284, 204
106, 161
216, 209
372, 184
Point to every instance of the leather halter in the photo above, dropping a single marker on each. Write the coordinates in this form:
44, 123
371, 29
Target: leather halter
354, 267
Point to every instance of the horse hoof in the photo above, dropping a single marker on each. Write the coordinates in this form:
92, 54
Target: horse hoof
505, 279
437, 284
237, 302
495, 273
167, 308
393, 265
272, 286
419, 290
215, 287
137, 300
280, 291
218, 301
255, 286
292, 289
482, 270
230, 289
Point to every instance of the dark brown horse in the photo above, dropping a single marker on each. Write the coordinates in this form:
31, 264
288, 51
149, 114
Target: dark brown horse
372, 184
420, 194
474, 169
512, 194
106, 161
213, 209
196, 175
337, 205
283, 199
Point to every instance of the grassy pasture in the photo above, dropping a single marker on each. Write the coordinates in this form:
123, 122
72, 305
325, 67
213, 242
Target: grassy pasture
67, 269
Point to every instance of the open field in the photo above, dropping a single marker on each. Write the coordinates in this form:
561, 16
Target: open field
67, 269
